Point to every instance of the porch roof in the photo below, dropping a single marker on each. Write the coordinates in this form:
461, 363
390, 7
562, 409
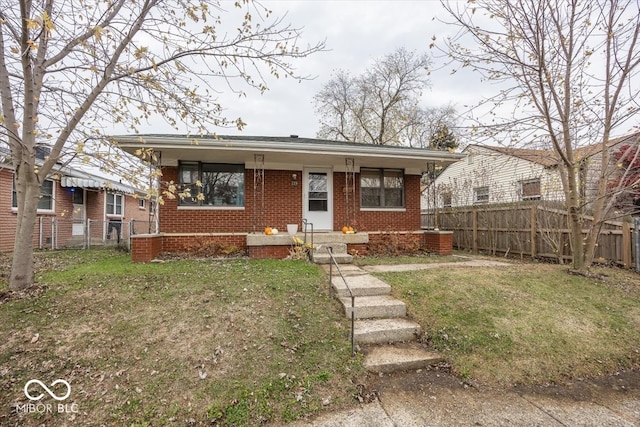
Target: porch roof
280, 152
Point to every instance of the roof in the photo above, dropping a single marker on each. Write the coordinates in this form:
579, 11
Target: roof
549, 158
546, 158
283, 150
83, 176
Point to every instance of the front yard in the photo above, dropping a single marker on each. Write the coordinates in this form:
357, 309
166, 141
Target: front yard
528, 323
240, 342
235, 342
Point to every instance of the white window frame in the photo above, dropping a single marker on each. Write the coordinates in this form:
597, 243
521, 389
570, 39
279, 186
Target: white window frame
481, 195
52, 209
142, 203
381, 172
115, 204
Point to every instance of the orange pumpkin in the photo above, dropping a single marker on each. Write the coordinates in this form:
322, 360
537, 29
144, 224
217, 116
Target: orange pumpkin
268, 231
350, 229
345, 229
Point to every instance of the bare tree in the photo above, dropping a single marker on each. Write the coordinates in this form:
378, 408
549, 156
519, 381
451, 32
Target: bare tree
69, 69
380, 106
566, 69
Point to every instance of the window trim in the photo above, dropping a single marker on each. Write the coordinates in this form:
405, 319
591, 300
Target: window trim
198, 205
106, 204
445, 195
476, 193
532, 197
14, 197
142, 203
381, 175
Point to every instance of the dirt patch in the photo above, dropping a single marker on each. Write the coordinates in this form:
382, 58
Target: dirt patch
435, 380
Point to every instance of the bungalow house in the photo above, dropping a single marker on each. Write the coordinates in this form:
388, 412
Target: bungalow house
229, 188
491, 174
76, 208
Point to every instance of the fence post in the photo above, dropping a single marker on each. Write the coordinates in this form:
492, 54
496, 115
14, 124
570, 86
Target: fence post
626, 244
474, 225
534, 230
636, 238
40, 229
54, 233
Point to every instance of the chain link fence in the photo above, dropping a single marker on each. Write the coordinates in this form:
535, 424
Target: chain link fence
56, 233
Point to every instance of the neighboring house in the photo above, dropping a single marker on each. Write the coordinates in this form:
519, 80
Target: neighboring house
73, 205
229, 188
491, 174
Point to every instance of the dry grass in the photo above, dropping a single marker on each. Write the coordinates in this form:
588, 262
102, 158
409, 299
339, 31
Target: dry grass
528, 323
232, 342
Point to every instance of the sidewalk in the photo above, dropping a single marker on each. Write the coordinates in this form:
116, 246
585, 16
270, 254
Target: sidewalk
430, 398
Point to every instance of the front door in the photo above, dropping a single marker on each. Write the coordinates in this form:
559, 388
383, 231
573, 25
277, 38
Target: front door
79, 212
318, 198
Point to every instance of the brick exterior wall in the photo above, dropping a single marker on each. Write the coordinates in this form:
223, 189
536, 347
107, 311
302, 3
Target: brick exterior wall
407, 219
183, 228
282, 206
62, 213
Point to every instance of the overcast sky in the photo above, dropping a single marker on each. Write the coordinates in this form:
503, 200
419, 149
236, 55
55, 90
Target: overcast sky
356, 32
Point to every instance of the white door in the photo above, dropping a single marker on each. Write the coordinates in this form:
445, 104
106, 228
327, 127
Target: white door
79, 212
318, 198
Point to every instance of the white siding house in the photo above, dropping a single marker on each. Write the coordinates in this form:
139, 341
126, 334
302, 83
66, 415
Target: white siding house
496, 175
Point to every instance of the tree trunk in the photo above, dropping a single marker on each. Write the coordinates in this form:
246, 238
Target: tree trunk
28, 192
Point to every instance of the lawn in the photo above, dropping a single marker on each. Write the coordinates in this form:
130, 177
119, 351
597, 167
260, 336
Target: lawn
527, 323
227, 342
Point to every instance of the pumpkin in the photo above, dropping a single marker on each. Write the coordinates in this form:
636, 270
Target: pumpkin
345, 229
268, 231
350, 229
274, 231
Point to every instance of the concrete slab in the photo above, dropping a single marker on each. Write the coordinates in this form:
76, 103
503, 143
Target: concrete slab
394, 358
383, 331
370, 415
412, 267
382, 306
360, 285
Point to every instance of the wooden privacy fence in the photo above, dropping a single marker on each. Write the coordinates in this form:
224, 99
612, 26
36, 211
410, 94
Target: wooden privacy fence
533, 230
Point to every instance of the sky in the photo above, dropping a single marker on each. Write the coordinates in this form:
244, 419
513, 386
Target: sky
356, 32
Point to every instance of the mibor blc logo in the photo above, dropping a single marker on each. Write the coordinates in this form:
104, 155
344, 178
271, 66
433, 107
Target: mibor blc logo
54, 390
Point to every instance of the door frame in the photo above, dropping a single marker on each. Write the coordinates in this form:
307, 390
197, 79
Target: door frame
326, 223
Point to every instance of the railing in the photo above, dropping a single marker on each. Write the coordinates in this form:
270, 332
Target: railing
306, 224
353, 299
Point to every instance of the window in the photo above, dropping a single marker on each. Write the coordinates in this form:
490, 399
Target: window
142, 203
114, 204
530, 189
481, 195
446, 200
318, 192
381, 188
211, 184
45, 203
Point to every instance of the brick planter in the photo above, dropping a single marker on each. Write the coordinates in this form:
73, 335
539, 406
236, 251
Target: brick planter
439, 242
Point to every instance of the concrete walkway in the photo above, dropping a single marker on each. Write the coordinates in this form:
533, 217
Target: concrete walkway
430, 398
411, 267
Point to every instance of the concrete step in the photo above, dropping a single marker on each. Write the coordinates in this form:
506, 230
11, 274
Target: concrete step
360, 284
336, 248
393, 358
382, 306
325, 259
383, 331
